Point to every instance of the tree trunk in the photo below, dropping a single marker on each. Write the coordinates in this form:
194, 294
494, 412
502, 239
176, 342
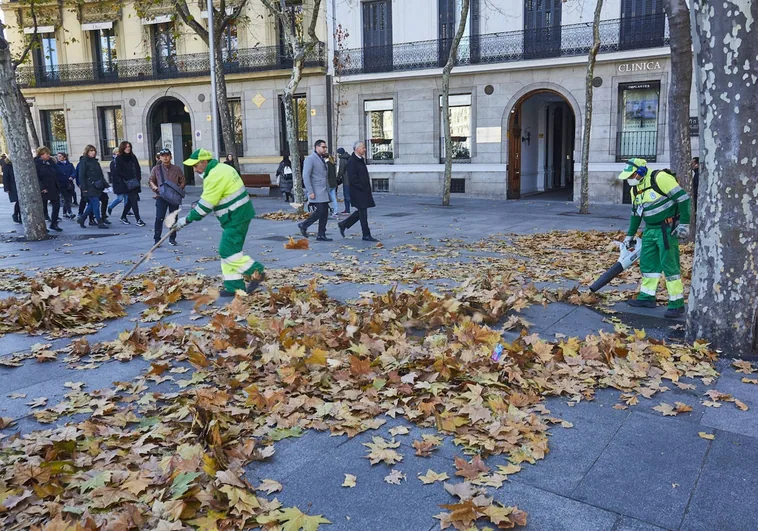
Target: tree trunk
292, 144
452, 56
29, 196
225, 115
680, 88
33, 136
584, 198
723, 300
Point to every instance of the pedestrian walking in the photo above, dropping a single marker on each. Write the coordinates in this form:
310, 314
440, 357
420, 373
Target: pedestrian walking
127, 172
9, 183
92, 182
168, 197
342, 178
66, 180
229, 160
225, 195
316, 181
48, 184
360, 192
119, 191
286, 183
331, 168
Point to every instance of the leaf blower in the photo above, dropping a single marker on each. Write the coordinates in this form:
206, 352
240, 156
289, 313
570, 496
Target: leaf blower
626, 258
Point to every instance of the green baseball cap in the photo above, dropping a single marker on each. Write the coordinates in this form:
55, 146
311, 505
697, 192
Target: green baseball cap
197, 156
631, 168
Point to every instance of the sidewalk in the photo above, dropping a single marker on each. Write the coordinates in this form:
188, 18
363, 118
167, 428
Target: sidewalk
621, 470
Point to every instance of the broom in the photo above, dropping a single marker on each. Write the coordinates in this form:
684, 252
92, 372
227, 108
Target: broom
167, 222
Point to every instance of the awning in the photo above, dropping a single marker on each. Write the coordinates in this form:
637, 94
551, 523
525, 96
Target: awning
40, 29
94, 26
160, 19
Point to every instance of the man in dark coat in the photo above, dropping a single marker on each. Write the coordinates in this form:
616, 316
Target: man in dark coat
9, 183
342, 177
360, 192
48, 184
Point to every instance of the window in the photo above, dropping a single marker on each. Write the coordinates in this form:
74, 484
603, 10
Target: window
296, 18
643, 24
449, 12
230, 43
460, 127
164, 43
46, 56
457, 186
54, 130
380, 185
380, 130
542, 28
104, 42
377, 36
301, 124
235, 109
638, 121
111, 120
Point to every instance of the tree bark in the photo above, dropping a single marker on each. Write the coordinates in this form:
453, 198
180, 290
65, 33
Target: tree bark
452, 56
27, 111
225, 115
292, 145
584, 198
723, 300
33, 41
27, 185
680, 146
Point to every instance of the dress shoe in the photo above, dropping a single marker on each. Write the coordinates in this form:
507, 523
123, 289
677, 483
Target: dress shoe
80, 221
342, 229
102, 225
323, 239
303, 230
224, 294
369, 239
255, 282
172, 242
55, 227
674, 313
641, 304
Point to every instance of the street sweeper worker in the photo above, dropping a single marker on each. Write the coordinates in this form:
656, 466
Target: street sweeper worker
225, 195
658, 199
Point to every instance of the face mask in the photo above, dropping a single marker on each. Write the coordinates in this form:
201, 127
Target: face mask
633, 182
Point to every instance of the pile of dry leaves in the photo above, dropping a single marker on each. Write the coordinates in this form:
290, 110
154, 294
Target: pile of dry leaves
271, 365
281, 215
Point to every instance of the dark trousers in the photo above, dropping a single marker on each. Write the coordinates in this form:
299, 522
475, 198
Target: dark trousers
321, 214
346, 194
288, 197
56, 210
66, 198
83, 204
161, 208
360, 214
132, 203
104, 205
73, 196
17, 211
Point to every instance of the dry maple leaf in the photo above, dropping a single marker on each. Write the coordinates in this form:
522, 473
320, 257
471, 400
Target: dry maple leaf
470, 469
741, 405
382, 450
753, 381
394, 477
431, 477
301, 244
743, 366
398, 430
350, 481
704, 435
269, 486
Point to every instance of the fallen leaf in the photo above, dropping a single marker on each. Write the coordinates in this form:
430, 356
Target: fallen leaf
398, 430
666, 409
704, 435
299, 244
394, 477
269, 486
470, 469
349, 481
741, 405
432, 476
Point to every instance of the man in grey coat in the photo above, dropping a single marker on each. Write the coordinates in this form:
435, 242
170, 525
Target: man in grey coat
315, 178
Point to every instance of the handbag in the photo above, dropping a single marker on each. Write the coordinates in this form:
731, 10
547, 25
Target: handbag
132, 184
169, 191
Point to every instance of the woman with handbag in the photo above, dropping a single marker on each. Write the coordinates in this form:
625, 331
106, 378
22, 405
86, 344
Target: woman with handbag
92, 183
127, 171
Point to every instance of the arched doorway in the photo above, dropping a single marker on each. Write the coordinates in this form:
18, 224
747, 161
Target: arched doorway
170, 110
541, 140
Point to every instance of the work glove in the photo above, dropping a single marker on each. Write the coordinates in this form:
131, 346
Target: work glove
180, 223
629, 242
681, 231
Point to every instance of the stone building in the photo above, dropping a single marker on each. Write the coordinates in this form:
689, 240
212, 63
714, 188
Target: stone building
103, 75
517, 98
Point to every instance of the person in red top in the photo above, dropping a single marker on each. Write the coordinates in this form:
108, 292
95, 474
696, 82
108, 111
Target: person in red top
164, 172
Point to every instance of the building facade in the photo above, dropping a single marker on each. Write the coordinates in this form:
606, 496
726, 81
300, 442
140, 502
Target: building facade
517, 99
103, 74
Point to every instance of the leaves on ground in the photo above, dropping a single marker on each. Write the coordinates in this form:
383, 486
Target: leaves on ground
350, 481
395, 477
302, 243
432, 477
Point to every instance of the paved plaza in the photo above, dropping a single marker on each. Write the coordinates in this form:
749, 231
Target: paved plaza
615, 469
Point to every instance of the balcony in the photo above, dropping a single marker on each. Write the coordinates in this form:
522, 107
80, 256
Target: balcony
260, 59
635, 33
637, 144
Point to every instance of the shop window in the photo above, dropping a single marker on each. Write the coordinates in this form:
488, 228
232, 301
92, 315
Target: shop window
460, 127
380, 130
638, 121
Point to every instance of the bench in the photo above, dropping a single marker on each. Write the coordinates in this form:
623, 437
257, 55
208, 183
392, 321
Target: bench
260, 180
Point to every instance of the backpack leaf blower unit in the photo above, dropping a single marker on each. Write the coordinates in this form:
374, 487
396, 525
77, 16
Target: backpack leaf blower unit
626, 258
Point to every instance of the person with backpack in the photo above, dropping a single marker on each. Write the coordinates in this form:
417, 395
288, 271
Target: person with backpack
286, 183
658, 199
167, 183
92, 183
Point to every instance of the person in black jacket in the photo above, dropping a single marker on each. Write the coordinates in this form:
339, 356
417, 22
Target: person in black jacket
92, 183
360, 192
65, 171
342, 178
128, 174
9, 183
48, 184
284, 172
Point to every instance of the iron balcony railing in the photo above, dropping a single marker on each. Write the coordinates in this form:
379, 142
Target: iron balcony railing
637, 144
260, 59
650, 31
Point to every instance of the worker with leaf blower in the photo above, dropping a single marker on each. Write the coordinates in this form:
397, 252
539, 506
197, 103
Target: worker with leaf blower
658, 199
225, 195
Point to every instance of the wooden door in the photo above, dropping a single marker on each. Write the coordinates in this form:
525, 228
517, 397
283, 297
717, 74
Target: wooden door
542, 28
377, 36
514, 157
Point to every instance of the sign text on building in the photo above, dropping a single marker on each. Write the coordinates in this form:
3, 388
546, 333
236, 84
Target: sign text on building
642, 66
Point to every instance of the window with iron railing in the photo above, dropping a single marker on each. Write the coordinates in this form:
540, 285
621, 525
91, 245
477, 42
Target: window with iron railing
54, 130
111, 121
380, 130
637, 135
